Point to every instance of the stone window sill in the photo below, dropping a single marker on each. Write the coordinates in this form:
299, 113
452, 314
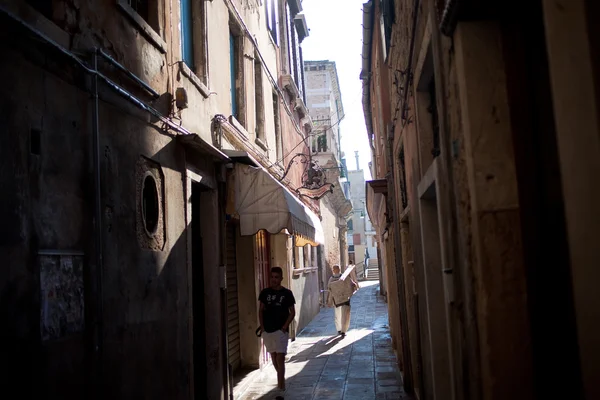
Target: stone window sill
188, 73
144, 27
261, 144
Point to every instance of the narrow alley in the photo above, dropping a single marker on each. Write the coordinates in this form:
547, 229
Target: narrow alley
321, 365
166, 163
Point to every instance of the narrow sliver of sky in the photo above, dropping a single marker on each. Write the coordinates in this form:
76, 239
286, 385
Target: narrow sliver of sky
335, 34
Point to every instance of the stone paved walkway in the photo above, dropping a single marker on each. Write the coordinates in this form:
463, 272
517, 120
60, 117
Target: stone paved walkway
322, 366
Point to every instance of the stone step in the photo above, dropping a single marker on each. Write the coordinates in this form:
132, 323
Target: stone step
372, 274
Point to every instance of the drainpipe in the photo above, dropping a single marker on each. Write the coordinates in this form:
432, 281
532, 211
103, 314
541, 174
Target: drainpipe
97, 223
227, 371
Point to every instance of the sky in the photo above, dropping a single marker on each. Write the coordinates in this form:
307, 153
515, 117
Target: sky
335, 34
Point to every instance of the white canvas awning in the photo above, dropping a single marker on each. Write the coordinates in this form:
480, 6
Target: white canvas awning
263, 203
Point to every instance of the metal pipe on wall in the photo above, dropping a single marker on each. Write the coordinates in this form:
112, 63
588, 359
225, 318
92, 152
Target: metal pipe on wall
222, 201
98, 242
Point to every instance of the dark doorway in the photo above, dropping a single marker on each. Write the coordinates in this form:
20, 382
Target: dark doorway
199, 335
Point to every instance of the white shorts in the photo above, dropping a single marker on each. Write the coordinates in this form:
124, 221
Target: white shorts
276, 342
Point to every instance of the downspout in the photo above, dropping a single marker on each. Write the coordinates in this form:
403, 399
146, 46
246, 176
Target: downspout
98, 243
227, 371
365, 73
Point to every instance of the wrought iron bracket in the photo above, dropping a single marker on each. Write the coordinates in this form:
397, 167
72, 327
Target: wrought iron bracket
314, 180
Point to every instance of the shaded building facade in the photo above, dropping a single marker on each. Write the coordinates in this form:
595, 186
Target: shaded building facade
484, 133
128, 273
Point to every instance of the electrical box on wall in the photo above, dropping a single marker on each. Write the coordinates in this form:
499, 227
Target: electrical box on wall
181, 98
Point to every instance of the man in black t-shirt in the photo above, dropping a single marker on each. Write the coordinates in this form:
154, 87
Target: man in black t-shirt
276, 312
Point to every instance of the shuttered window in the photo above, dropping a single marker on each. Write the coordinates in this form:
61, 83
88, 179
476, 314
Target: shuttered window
389, 17
233, 69
187, 33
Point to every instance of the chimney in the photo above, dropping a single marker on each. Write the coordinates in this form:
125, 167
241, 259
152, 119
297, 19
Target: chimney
356, 155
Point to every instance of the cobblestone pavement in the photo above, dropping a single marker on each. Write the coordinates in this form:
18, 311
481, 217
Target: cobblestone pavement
320, 365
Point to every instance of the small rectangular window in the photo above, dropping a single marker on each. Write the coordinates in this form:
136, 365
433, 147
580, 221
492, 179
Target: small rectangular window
388, 18
272, 12
259, 101
435, 125
299, 252
307, 256
402, 178
290, 46
42, 6
277, 123
35, 139
140, 7
233, 63
427, 113
296, 58
237, 64
148, 10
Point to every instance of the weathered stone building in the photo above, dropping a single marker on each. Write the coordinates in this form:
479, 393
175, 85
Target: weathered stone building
324, 100
361, 235
483, 123
125, 125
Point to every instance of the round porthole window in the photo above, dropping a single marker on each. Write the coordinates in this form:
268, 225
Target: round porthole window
150, 209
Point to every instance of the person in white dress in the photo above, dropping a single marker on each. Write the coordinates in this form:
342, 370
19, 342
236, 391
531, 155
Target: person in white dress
342, 309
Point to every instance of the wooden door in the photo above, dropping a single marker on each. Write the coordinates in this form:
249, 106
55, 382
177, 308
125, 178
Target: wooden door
262, 266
